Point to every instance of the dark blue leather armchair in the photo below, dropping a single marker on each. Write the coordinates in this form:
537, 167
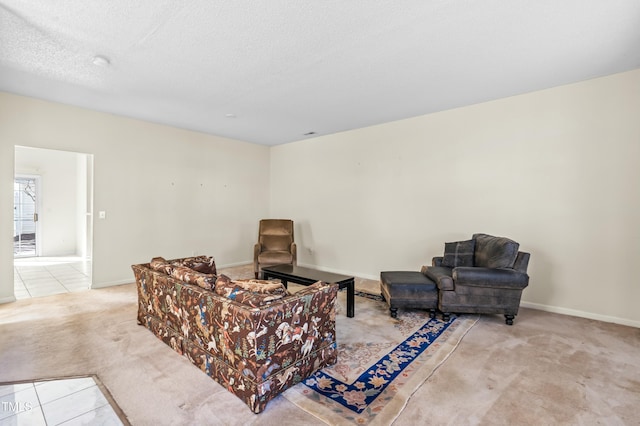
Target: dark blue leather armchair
484, 275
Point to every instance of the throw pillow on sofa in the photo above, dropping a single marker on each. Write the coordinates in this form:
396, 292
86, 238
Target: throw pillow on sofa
235, 290
262, 286
495, 252
203, 264
458, 253
188, 275
160, 264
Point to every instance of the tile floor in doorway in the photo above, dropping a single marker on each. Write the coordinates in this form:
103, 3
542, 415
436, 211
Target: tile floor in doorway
71, 401
44, 276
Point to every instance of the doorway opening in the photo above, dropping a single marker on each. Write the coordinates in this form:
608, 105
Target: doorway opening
53, 226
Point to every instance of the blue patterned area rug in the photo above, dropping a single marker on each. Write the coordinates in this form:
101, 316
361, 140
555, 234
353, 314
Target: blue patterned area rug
381, 362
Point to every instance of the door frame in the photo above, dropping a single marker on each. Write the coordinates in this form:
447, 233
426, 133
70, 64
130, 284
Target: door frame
38, 208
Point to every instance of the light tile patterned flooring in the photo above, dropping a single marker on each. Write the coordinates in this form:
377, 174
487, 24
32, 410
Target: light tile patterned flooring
73, 401
44, 276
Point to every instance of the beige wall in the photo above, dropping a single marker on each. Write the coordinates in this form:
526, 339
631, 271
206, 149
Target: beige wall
166, 191
556, 170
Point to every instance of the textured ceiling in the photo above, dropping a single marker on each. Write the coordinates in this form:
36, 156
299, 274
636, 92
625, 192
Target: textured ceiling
286, 68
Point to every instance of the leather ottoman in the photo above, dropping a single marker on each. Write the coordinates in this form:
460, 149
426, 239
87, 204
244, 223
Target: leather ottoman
408, 289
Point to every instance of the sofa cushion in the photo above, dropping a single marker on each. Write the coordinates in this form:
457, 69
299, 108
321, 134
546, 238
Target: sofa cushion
459, 253
495, 252
262, 286
275, 257
188, 275
160, 264
235, 290
276, 242
441, 275
203, 264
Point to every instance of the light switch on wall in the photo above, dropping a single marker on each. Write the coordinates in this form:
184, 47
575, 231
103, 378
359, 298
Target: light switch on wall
102, 214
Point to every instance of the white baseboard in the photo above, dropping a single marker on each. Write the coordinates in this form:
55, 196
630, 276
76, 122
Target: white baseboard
231, 265
341, 272
112, 283
8, 299
538, 306
524, 304
581, 314
133, 280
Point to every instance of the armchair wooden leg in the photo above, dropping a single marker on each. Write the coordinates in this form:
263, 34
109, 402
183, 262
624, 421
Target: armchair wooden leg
446, 316
256, 275
394, 312
509, 319
432, 313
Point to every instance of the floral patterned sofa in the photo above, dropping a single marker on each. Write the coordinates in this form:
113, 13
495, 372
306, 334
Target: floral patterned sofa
252, 336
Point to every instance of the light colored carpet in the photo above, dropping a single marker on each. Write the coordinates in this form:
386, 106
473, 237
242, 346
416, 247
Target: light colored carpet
546, 369
381, 362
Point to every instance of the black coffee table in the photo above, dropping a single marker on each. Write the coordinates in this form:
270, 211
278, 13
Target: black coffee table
308, 276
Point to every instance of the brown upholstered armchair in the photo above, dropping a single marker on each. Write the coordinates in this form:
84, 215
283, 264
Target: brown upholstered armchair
275, 244
484, 275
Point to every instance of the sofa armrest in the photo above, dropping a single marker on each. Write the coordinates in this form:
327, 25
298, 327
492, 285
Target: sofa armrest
252, 339
256, 252
441, 275
490, 277
289, 329
522, 262
437, 261
294, 253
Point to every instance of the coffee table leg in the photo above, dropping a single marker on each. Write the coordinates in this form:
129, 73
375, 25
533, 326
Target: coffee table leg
351, 299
